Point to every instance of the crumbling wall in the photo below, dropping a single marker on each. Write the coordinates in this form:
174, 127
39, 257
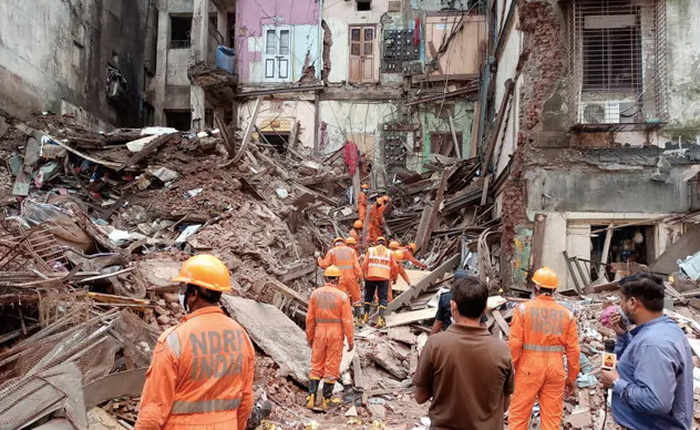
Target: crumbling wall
544, 40
54, 57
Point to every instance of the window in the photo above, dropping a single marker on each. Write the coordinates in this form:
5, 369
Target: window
179, 119
363, 5
618, 58
180, 29
611, 52
362, 54
278, 41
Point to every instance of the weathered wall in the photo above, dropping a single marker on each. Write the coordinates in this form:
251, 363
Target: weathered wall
358, 121
683, 35
303, 19
462, 114
339, 16
284, 111
54, 55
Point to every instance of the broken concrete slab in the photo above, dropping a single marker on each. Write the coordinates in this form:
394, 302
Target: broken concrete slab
352, 412
395, 320
274, 333
579, 418
391, 357
402, 334
99, 419
121, 384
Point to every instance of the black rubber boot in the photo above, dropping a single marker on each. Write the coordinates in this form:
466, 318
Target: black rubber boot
311, 397
328, 402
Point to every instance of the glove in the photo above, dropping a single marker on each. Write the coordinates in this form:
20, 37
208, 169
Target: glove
317, 254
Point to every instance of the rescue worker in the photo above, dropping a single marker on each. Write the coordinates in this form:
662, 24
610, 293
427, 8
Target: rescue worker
328, 321
351, 242
356, 230
542, 332
362, 201
202, 370
408, 252
345, 258
397, 270
376, 218
377, 269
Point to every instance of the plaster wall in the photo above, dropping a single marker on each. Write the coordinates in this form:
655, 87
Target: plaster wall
463, 118
54, 55
252, 17
357, 121
339, 15
286, 112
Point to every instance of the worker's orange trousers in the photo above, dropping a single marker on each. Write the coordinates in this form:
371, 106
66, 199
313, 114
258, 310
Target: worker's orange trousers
351, 287
538, 376
327, 352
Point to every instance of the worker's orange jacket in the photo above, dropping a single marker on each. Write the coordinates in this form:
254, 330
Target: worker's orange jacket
376, 221
201, 375
354, 234
328, 321
362, 206
378, 263
345, 258
408, 256
397, 270
543, 328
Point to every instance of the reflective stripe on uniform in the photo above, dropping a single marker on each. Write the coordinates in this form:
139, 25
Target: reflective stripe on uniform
173, 342
544, 348
203, 406
328, 320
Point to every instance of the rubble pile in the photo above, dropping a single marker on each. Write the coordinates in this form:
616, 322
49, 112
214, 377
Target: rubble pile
96, 224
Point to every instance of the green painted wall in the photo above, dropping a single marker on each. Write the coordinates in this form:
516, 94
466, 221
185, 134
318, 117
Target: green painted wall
462, 116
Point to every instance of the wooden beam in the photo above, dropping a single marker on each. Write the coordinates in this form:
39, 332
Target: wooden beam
248, 134
229, 141
493, 137
439, 197
606, 249
410, 294
458, 149
501, 322
147, 150
537, 245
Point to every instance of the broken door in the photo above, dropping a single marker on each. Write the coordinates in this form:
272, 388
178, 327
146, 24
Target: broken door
278, 54
362, 53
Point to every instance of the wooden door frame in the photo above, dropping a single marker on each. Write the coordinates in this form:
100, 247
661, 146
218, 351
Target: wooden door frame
375, 54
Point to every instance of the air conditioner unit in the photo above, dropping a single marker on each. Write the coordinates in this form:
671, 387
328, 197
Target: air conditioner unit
606, 112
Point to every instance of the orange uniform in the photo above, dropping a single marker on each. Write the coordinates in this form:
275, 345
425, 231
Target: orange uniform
542, 332
396, 270
408, 256
328, 320
362, 205
355, 234
201, 375
346, 259
376, 221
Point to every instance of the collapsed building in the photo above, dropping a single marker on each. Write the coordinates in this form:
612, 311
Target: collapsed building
509, 134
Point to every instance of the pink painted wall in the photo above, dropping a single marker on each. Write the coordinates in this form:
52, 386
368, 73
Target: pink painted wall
251, 15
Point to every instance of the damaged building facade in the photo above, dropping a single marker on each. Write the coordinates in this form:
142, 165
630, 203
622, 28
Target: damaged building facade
594, 137
73, 57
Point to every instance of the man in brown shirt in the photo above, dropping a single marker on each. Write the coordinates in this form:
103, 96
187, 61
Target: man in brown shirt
467, 372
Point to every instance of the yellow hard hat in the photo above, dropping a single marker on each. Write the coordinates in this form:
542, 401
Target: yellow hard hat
394, 245
546, 278
382, 239
350, 241
398, 256
205, 271
412, 246
338, 239
357, 224
365, 187
332, 272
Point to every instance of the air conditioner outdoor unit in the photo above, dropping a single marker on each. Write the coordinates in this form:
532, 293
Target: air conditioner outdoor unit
607, 112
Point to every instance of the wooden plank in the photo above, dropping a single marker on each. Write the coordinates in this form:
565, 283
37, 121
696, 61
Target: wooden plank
501, 321
248, 134
673, 292
395, 320
458, 149
493, 137
229, 141
606, 250
405, 297
537, 245
147, 150
423, 225
434, 58
432, 220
